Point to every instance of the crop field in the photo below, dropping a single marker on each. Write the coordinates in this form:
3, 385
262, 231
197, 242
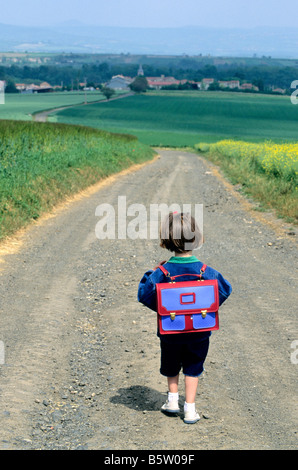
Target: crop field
185, 118
252, 137
267, 171
279, 160
42, 163
21, 106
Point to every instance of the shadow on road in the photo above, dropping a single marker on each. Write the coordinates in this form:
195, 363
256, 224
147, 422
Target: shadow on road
139, 398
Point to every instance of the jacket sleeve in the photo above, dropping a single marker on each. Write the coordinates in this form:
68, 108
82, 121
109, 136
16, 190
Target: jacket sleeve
147, 291
224, 288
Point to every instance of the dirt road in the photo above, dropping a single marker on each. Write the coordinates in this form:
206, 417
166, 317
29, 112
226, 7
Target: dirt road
81, 368
42, 116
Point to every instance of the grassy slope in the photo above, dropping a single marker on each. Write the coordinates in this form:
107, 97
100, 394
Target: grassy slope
158, 118
42, 163
21, 106
273, 188
186, 118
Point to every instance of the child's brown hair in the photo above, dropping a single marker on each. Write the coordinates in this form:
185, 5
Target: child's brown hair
179, 232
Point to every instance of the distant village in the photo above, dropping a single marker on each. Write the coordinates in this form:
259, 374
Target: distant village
122, 83
119, 82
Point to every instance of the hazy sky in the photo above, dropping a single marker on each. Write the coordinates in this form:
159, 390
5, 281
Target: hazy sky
152, 13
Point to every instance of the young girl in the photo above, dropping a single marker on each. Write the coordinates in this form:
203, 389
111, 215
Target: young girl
180, 234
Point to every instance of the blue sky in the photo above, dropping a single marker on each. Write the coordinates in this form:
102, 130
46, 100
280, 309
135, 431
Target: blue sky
152, 13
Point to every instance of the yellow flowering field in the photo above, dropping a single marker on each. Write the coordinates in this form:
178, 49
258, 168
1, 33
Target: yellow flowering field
267, 171
280, 160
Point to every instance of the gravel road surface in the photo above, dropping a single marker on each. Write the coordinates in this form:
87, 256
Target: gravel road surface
81, 365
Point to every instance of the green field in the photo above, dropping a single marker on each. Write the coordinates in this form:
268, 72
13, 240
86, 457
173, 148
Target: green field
178, 119
267, 172
186, 118
169, 118
43, 163
21, 106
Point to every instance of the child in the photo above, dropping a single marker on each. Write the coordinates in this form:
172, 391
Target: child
180, 234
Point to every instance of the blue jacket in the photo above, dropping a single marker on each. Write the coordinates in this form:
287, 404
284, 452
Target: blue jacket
179, 265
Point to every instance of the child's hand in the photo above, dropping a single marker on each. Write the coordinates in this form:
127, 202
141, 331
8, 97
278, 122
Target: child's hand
161, 263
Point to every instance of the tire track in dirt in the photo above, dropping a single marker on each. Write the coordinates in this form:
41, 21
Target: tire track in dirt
82, 356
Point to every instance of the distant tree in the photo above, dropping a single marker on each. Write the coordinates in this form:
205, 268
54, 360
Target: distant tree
10, 87
214, 86
139, 85
259, 83
108, 92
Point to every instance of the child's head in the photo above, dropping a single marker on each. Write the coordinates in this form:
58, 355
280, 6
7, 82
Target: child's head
179, 233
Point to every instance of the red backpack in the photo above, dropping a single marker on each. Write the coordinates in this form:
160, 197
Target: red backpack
187, 306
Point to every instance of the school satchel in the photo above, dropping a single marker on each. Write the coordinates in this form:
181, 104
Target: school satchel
187, 306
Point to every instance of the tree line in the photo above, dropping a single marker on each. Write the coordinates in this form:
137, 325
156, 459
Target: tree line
263, 76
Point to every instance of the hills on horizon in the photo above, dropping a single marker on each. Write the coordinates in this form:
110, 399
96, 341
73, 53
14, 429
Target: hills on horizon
76, 37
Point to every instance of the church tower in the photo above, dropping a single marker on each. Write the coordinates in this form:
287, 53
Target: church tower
140, 71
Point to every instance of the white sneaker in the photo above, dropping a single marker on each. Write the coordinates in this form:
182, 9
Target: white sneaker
171, 407
191, 417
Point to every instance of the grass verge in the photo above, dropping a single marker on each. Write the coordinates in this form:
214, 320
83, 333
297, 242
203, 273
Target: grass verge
43, 163
267, 172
